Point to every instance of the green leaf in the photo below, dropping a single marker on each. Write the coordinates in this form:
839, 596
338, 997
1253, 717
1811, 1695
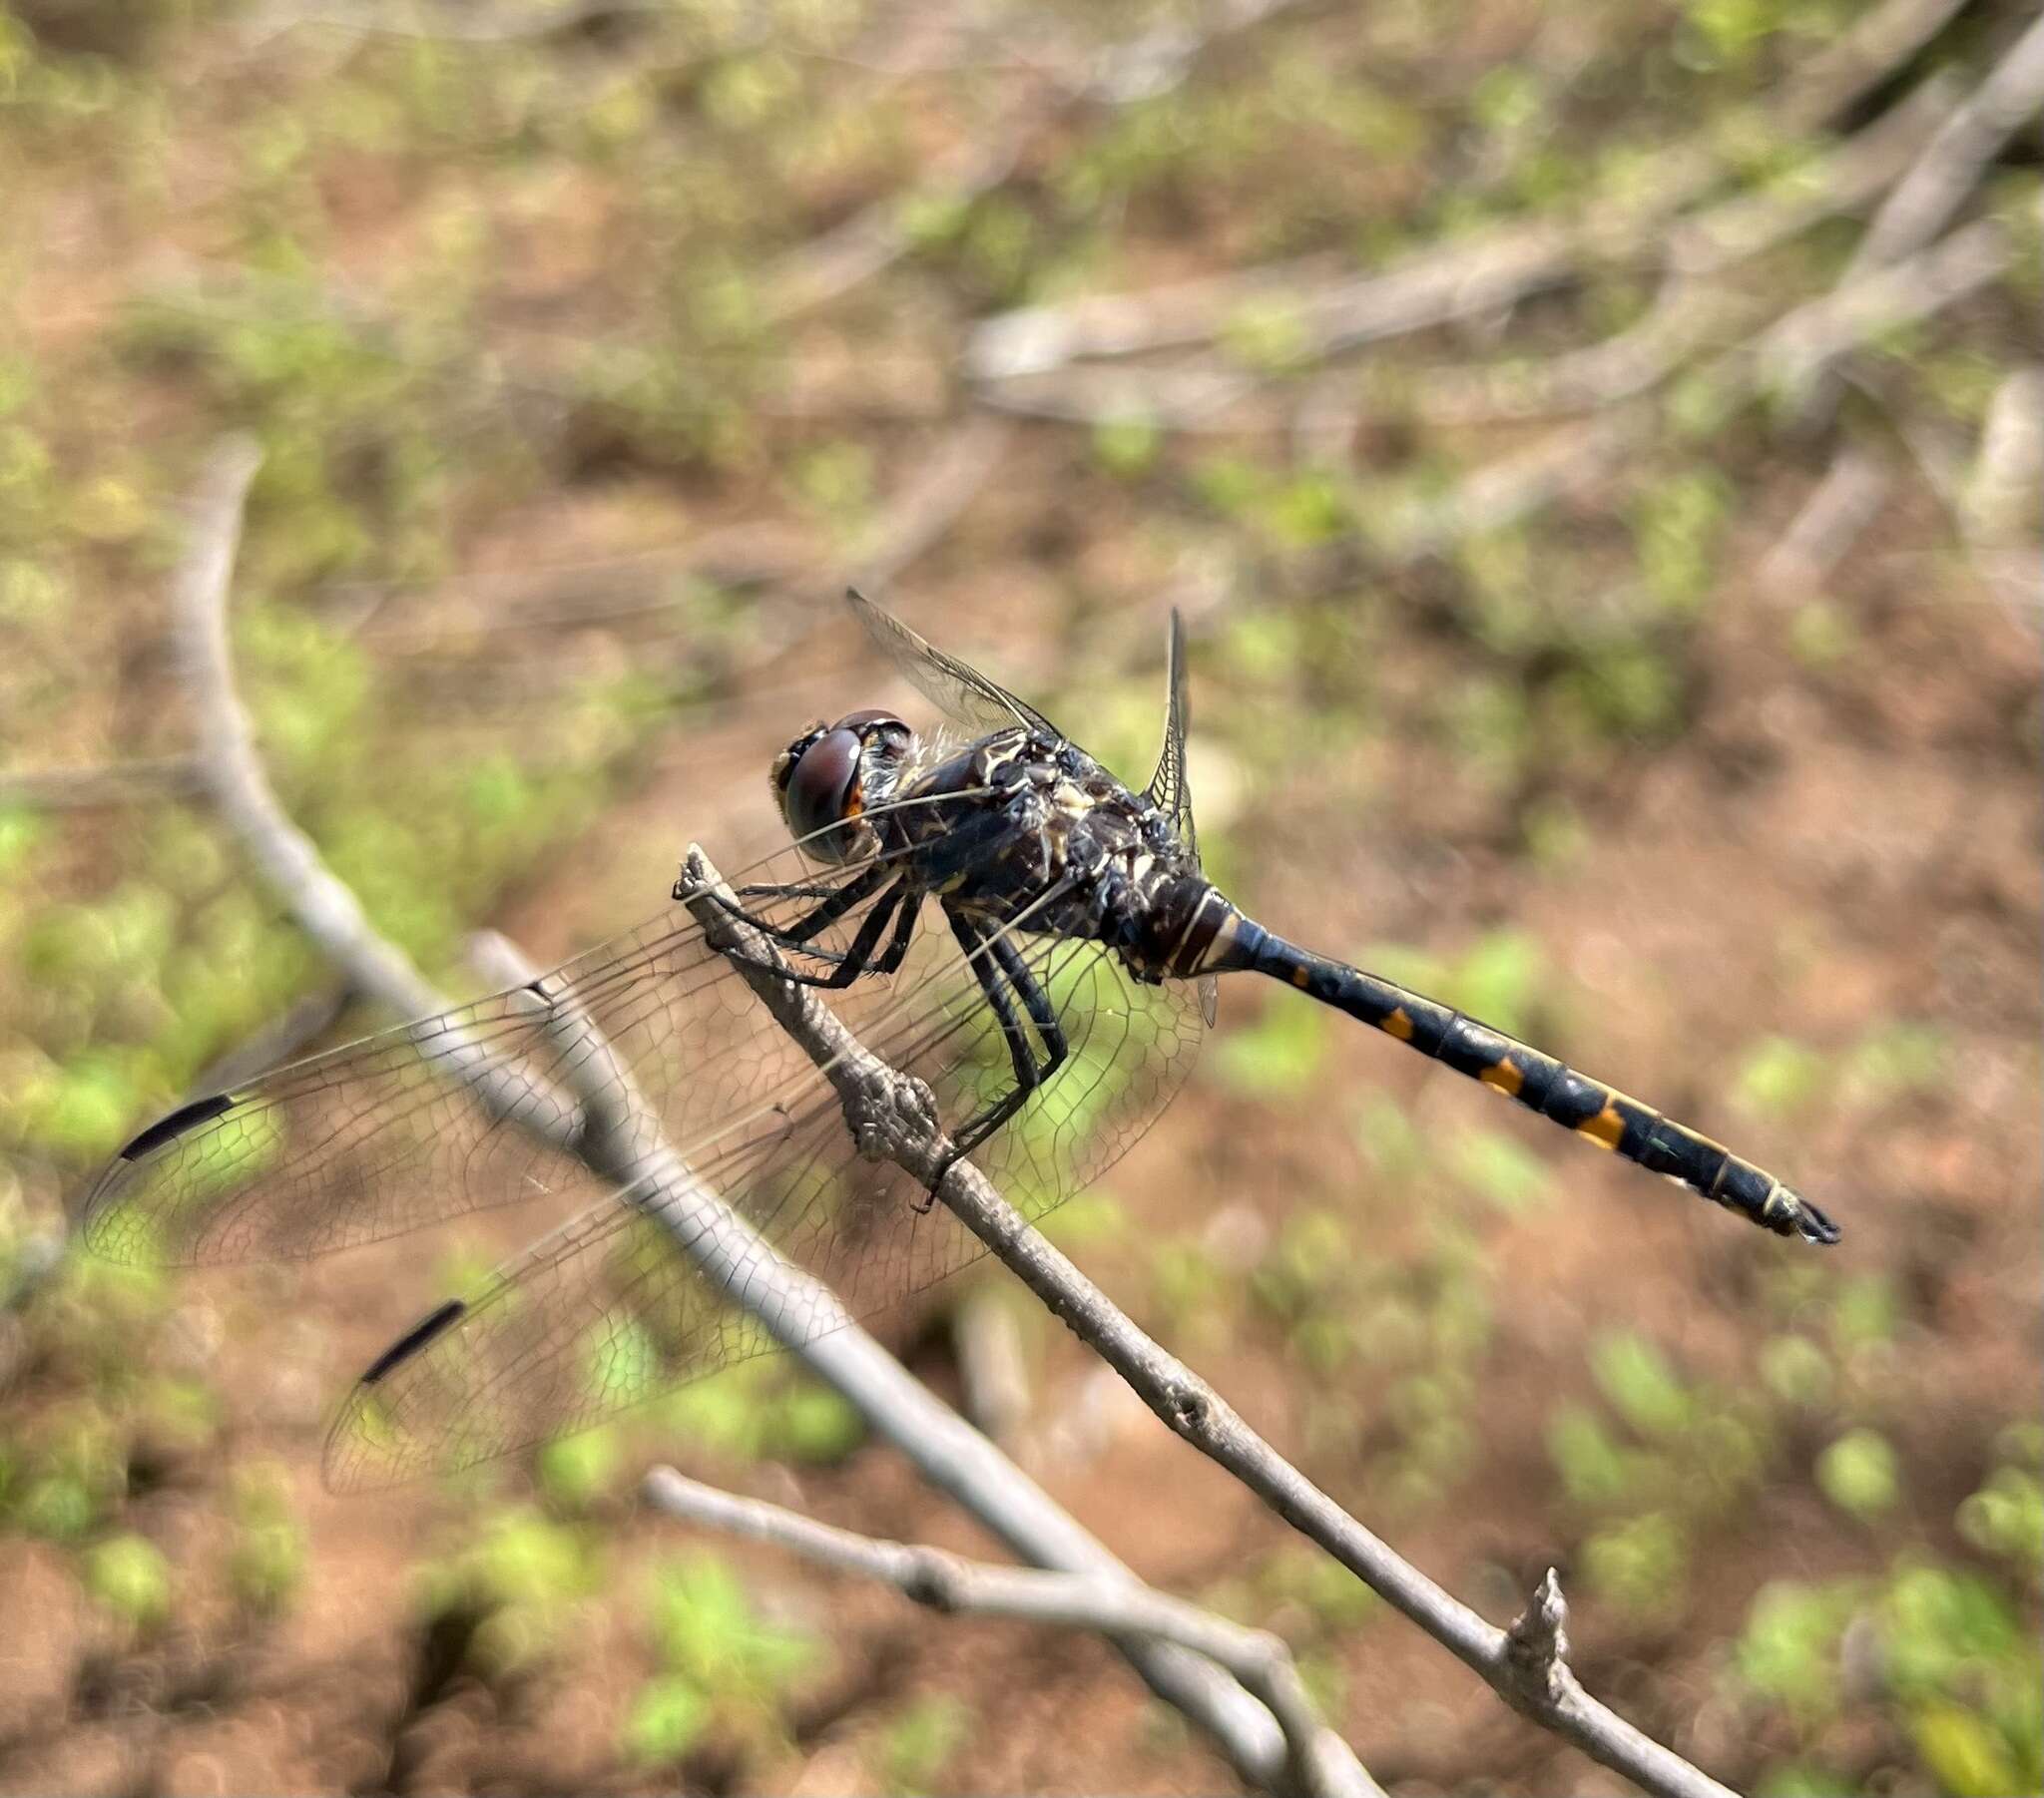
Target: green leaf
1642, 1387
130, 1577
667, 1719
1857, 1473
1278, 1054
1964, 1752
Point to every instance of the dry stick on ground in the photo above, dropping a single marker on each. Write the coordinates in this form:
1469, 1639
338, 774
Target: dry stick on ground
1937, 185
1951, 165
1828, 522
882, 234
945, 1449
112, 783
796, 1309
1504, 491
952, 1584
891, 1118
1195, 395
1477, 274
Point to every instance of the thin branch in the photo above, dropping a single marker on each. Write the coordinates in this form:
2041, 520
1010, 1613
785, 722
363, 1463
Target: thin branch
1149, 64
2000, 501
1829, 522
945, 1449
111, 783
1924, 199
1514, 487
921, 515
1797, 348
953, 1585
892, 1118
1030, 364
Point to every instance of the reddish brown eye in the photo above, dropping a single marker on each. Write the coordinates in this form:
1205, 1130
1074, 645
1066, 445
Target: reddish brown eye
819, 784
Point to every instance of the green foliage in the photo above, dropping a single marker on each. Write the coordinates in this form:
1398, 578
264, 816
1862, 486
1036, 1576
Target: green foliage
130, 1577
1860, 1475
1640, 1385
2005, 1517
1796, 1371
1640, 1565
1276, 1057
1778, 1077
1416, 1330
910, 1755
761, 1409
1683, 1457
723, 1665
1299, 1592
1503, 1171
1961, 1680
266, 1554
575, 1472
516, 1583
1677, 524
1127, 448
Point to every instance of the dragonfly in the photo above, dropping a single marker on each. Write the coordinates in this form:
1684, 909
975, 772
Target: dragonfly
986, 907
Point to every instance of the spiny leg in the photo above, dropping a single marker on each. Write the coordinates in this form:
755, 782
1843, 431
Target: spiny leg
898, 906
795, 936
1042, 1013
995, 963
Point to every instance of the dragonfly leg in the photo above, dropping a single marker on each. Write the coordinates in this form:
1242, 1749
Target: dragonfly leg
786, 889
858, 959
998, 965
839, 901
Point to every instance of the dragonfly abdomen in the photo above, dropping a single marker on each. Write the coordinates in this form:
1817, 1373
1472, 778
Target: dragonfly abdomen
1539, 1081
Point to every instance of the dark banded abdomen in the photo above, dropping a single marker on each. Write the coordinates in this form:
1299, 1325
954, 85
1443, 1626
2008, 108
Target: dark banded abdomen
1538, 1081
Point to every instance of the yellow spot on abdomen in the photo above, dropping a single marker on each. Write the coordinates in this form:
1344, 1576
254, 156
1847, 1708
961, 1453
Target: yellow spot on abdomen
1605, 1128
1397, 1023
1300, 977
1504, 1077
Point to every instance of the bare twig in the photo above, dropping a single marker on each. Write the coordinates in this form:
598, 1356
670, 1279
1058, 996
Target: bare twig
1936, 185
1925, 200
948, 1451
2002, 501
1514, 487
1039, 361
1798, 348
927, 509
892, 1119
465, 23
1829, 522
1152, 62
952, 1584
113, 783
1878, 44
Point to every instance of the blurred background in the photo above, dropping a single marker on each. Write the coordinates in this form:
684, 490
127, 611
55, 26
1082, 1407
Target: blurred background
1596, 448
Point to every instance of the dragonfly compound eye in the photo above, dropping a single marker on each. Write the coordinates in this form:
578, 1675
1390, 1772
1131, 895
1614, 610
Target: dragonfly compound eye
818, 781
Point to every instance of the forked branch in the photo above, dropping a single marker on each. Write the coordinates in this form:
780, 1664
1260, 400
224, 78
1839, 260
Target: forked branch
942, 1446
894, 1119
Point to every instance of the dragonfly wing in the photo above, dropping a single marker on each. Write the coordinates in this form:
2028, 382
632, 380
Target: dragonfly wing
450, 1115
960, 691
668, 1284
1168, 789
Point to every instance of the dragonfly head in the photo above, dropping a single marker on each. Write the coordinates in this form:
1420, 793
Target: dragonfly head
832, 774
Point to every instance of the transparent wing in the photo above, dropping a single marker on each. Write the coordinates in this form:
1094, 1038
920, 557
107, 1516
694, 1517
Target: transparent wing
683, 1100
1170, 790
429, 1120
692, 1273
960, 691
